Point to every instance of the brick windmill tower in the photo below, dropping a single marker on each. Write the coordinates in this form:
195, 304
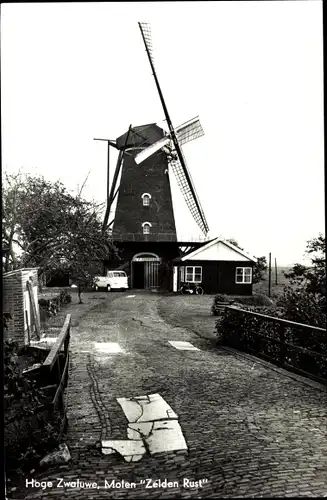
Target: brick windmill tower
143, 227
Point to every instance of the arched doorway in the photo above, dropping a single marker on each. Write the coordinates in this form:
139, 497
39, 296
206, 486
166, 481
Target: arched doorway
145, 270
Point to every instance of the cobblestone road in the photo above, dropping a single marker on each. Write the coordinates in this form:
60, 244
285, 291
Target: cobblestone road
250, 431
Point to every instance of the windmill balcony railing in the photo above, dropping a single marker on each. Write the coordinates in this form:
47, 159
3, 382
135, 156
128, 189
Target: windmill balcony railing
159, 237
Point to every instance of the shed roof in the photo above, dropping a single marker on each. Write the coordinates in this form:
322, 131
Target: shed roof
217, 249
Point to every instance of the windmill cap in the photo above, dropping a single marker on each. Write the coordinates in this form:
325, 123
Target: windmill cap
141, 135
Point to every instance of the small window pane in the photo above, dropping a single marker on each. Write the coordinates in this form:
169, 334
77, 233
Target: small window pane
189, 274
243, 275
198, 274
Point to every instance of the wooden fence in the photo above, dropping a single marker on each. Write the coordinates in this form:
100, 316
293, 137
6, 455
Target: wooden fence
53, 374
295, 346
53, 362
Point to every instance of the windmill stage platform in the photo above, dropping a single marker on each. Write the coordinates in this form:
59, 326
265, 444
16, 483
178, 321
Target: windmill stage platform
162, 238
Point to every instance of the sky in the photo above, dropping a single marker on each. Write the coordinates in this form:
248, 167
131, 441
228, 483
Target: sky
252, 71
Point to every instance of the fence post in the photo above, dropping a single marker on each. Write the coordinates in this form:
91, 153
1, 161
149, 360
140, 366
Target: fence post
59, 380
66, 351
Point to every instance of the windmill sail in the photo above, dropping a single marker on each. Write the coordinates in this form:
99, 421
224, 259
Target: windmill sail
187, 130
187, 193
149, 151
146, 33
185, 133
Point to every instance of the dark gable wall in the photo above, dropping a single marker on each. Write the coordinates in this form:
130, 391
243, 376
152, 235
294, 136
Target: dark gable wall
219, 276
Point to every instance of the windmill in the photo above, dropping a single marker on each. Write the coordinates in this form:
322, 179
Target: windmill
170, 145
144, 216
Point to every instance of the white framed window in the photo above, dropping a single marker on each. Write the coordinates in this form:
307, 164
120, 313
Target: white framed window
243, 275
182, 274
146, 197
193, 274
146, 227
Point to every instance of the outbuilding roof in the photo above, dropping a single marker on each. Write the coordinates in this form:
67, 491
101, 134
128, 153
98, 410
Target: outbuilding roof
217, 249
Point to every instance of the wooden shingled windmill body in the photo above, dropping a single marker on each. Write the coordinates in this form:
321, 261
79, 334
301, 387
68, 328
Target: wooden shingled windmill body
143, 227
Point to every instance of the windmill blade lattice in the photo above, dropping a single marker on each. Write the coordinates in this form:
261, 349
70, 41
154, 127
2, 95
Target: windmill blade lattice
184, 186
189, 131
146, 31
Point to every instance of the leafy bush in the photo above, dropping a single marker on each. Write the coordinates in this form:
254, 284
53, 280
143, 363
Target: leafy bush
65, 297
302, 306
29, 432
259, 269
305, 302
254, 300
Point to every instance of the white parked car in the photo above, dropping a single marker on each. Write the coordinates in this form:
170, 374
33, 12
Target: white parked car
115, 280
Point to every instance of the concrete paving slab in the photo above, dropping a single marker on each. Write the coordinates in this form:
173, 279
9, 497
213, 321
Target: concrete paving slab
166, 436
139, 430
146, 408
108, 347
128, 448
183, 346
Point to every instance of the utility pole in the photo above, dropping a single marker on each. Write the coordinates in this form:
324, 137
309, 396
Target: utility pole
110, 143
276, 281
108, 158
269, 276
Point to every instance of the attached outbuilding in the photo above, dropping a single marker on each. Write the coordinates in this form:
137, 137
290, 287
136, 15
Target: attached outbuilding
218, 266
